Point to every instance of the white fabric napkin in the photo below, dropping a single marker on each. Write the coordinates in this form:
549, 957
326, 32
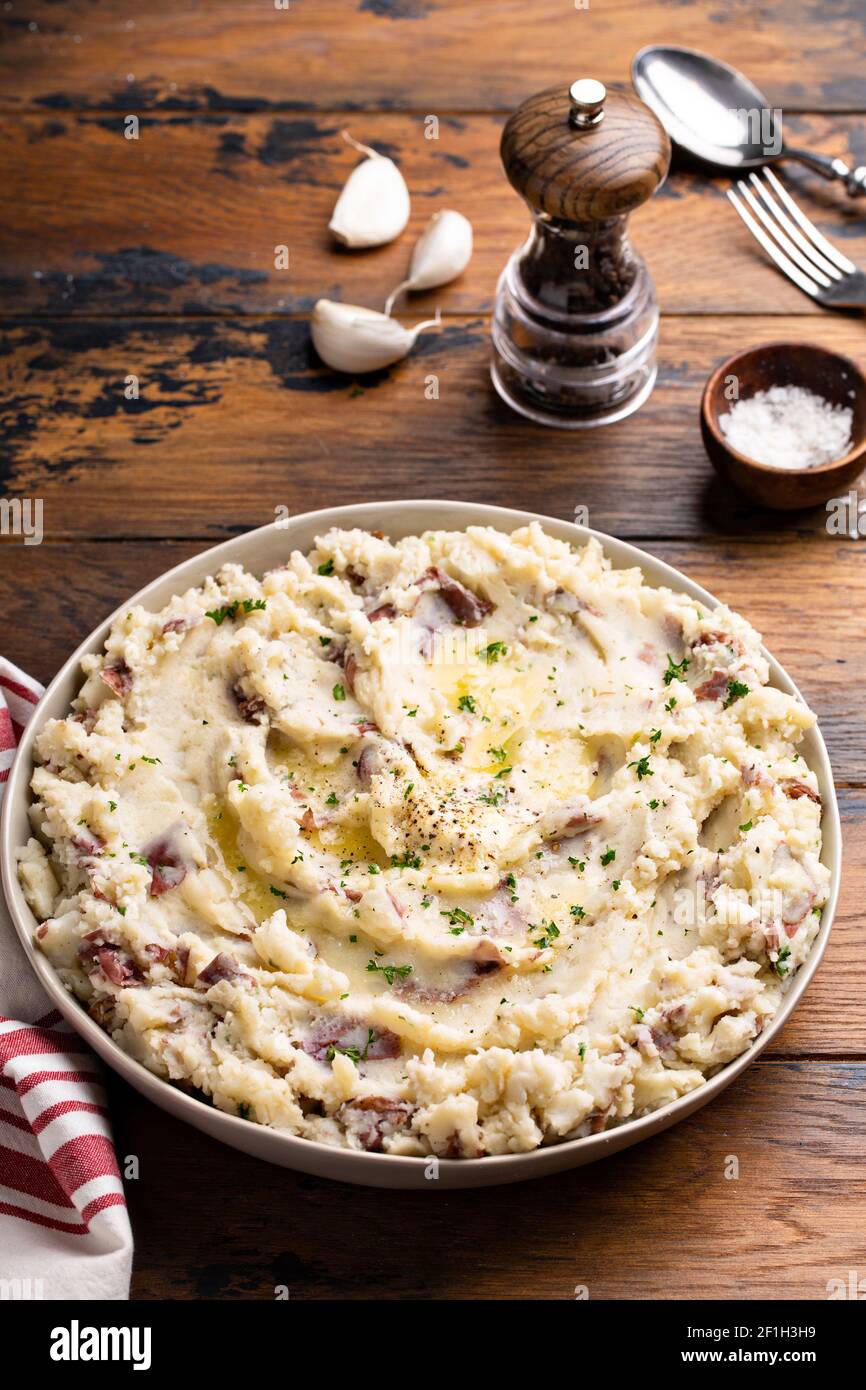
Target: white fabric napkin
64, 1226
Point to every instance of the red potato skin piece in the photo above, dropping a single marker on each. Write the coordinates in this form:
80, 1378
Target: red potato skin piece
719, 639
369, 763
118, 678
88, 845
222, 967
385, 610
714, 687
249, 706
795, 790
168, 868
350, 669
350, 1032
469, 610
374, 1117
115, 964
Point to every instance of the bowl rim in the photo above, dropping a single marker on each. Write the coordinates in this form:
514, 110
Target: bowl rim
314, 1156
710, 419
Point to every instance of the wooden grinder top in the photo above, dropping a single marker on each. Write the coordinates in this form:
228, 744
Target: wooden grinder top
583, 154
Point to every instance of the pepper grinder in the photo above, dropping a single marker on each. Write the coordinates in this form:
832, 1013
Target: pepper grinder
576, 319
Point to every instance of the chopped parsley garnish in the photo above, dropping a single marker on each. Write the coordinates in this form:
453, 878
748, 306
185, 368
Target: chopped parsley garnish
326, 568
616, 883
391, 972
406, 860
746, 826
643, 768
152, 761
339, 692
352, 1053
456, 916
581, 1051
112, 805
493, 798
331, 800
577, 912
550, 931
736, 691
229, 610
676, 669
638, 1013
278, 892
503, 772
493, 651
669, 704
579, 864
779, 965
498, 754
655, 735
219, 614
467, 704
653, 805
324, 641
608, 856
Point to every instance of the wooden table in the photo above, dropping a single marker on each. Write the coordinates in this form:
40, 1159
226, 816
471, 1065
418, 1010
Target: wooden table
154, 258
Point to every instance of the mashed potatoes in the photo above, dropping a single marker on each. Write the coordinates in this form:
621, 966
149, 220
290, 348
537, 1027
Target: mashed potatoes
455, 846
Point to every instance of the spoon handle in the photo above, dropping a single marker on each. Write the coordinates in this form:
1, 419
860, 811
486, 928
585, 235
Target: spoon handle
853, 179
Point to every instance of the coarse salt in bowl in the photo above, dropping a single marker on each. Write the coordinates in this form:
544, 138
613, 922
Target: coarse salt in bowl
774, 418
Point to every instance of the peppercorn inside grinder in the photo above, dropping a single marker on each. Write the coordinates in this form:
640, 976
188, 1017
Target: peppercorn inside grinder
576, 319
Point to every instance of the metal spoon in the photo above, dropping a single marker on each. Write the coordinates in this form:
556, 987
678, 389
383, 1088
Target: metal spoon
716, 114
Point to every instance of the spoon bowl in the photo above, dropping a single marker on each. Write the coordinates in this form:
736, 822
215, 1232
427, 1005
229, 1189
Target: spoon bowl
708, 108
719, 117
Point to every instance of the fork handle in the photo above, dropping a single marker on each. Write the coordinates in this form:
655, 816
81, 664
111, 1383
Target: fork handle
853, 179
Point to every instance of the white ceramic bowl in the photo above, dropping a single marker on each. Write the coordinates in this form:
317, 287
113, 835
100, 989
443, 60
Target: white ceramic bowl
261, 550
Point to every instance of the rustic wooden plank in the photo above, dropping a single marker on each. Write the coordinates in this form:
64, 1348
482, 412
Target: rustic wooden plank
234, 418
186, 218
78, 584
419, 54
633, 1226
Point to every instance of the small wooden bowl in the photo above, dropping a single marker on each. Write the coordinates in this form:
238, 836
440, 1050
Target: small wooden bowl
839, 380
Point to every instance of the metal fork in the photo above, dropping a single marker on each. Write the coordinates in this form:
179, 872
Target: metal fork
796, 245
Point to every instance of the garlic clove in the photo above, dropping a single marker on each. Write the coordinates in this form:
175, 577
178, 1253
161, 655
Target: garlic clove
373, 207
441, 253
352, 339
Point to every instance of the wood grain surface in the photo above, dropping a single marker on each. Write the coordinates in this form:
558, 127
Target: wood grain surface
185, 219
417, 55
154, 259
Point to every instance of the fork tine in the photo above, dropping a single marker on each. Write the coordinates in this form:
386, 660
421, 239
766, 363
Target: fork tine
793, 231
782, 261
784, 241
817, 238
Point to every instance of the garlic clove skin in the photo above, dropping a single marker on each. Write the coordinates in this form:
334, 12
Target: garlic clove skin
374, 206
441, 253
354, 340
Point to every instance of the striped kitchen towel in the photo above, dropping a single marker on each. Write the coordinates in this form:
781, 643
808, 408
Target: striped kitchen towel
64, 1227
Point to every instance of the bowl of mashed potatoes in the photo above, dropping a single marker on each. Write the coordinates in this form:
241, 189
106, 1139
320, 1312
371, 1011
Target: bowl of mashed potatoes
423, 841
